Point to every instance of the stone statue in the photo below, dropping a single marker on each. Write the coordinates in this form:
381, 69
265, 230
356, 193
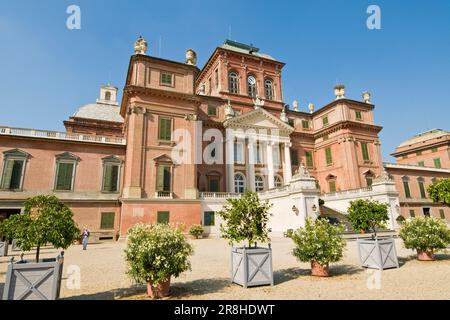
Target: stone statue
366, 97
283, 116
229, 111
302, 172
191, 57
383, 177
339, 91
140, 46
258, 102
202, 89
311, 108
295, 105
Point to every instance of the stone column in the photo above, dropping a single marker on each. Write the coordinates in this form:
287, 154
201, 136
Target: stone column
250, 165
287, 167
270, 168
230, 160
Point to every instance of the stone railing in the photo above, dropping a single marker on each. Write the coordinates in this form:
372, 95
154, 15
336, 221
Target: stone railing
274, 190
55, 135
219, 195
349, 192
164, 194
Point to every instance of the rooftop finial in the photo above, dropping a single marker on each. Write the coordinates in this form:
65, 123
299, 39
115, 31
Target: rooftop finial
140, 46
295, 105
366, 96
339, 91
191, 57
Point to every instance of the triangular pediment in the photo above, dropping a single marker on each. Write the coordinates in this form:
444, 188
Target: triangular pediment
16, 153
258, 119
164, 158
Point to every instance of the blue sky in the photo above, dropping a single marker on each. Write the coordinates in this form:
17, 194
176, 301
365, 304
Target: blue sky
48, 71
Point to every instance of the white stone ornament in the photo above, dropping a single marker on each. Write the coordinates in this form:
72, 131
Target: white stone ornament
295, 105
339, 91
366, 97
258, 102
140, 46
191, 57
283, 116
311, 108
229, 111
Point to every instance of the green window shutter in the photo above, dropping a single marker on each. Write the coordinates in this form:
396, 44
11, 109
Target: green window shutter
107, 220
309, 159
110, 178
422, 190
166, 179
305, 124
209, 218
441, 213
64, 177
437, 163
214, 185
165, 129
160, 178
294, 157
325, 120
358, 115
16, 176
412, 214
7, 174
421, 164
163, 217
365, 151
328, 156
407, 191
332, 185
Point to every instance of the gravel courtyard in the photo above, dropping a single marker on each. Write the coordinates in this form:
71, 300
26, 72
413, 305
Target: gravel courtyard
103, 275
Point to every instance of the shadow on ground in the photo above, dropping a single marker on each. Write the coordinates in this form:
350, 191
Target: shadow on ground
285, 275
178, 290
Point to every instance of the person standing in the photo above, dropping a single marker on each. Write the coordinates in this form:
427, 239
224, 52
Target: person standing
85, 237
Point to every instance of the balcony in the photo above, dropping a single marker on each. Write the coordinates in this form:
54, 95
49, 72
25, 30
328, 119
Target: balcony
55, 135
219, 195
164, 194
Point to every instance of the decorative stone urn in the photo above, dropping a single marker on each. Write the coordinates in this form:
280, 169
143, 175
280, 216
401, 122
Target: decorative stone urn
377, 253
424, 255
251, 266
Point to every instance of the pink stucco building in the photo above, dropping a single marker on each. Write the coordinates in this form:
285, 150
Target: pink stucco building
183, 134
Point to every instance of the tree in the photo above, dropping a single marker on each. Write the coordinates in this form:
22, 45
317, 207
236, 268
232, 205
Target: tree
366, 214
439, 191
246, 219
46, 220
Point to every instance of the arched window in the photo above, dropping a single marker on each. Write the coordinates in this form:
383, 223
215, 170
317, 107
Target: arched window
259, 183
268, 89
251, 86
233, 82
278, 181
239, 183
107, 95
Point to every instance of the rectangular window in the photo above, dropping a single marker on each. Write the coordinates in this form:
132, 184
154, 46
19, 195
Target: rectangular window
64, 176
213, 184
434, 150
238, 152
325, 121
110, 177
291, 122
305, 124
332, 185
412, 214
258, 153
422, 190
209, 218
421, 164
309, 159
441, 213
107, 220
166, 79
294, 157
12, 175
163, 217
358, 115
365, 151
209, 86
276, 155
163, 178
369, 181
437, 163
165, 129
216, 77
328, 156
212, 111
406, 188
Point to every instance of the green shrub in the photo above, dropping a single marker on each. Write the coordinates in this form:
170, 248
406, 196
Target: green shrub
245, 218
196, 231
154, 253
319, 241
439, 191
425, 234
400, 219
366, 214
46, 220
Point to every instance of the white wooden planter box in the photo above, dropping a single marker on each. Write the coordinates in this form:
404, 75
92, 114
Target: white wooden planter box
251, 266
377, 253
34, 281
3, 248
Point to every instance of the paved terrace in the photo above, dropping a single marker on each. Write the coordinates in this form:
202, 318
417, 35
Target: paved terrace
103, 275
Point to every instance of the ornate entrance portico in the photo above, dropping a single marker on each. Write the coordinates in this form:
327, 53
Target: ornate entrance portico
257, 142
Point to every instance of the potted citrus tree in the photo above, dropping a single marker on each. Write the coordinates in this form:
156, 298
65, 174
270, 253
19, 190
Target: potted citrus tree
154, 254
319, 243
246, 220
374, 252
196, 231
426, 235
46, 220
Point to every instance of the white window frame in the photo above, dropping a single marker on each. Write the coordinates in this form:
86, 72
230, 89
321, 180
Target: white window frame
239, 184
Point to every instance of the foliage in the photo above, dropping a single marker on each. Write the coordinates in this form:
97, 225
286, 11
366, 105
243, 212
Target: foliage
156, 252
196, 230
46, 220
245, 218
425, 234
319, 241
439, 191
400, 219
365, 214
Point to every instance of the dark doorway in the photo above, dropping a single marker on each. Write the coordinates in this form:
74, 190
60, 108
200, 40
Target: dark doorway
5, 214
426, 212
